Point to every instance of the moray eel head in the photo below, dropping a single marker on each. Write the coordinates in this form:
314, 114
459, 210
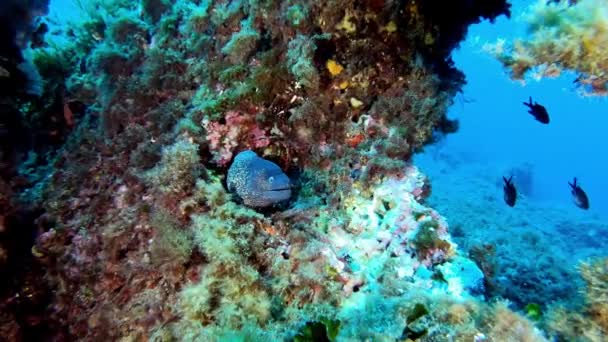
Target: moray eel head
272, 184
257, 181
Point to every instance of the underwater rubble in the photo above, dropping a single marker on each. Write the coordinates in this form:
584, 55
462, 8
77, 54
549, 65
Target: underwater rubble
132, 233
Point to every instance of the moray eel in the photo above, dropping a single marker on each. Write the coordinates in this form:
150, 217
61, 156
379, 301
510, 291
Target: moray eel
257, 181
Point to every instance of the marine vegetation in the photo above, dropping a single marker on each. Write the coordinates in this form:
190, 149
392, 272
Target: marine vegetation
590, 323
138, 232
561, 36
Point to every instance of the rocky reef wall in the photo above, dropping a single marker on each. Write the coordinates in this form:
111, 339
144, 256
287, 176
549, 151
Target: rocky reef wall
147, 103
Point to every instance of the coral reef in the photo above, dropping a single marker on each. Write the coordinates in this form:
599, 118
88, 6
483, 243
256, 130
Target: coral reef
20, 82
527, 256
562, 36
530, 257
590, 323
136, 236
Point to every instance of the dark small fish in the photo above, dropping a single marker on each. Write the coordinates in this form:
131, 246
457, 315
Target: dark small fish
510, 191
538, 111
580, 197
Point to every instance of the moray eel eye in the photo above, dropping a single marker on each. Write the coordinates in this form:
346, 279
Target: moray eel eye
270, 179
